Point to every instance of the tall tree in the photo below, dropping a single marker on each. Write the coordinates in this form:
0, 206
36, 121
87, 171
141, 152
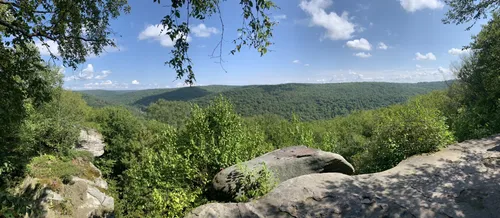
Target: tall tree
464, 11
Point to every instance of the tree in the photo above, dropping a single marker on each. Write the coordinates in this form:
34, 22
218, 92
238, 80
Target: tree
81, 28
479, 82
256, 30
463, 11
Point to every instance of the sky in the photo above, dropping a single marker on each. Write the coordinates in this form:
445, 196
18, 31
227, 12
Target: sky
316, 41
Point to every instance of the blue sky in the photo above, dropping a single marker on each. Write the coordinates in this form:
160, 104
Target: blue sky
316, 41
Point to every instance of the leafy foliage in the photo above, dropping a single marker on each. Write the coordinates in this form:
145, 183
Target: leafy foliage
255, 183
462, 11
477, 91
256, 30
80, 28
170, 112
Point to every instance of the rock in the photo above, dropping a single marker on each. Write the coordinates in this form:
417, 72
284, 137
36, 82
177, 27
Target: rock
90, 140
284, 164
458, 181
99, 199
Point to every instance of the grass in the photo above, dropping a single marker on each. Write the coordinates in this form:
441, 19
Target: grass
51, 170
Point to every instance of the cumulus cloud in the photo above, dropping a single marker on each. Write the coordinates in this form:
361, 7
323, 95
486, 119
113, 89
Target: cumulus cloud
418, 66
155, 32
429, 56
104, 74
203, 31
87, 73
307, 65
296, 62
280, 17
415, 5
363, 55
337, 27
382, 46
135, 82
359, 44
444, 71
48, 47
459, 52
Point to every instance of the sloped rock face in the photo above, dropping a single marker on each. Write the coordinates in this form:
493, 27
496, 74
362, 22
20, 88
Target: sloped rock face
80, 198
284, 164
90, 140
459, 181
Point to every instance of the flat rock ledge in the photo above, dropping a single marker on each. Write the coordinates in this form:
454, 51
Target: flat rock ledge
461, 180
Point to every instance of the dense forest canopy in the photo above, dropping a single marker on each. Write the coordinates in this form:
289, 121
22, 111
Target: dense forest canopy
309, 101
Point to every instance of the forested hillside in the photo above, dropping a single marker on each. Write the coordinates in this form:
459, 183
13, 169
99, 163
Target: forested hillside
163, 148
309, 101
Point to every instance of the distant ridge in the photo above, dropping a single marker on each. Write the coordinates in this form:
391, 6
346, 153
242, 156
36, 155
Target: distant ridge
309, 101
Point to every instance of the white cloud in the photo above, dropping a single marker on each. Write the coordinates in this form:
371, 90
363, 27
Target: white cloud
107, 82
203, 31
429, 56
371, 23
418, 66
415, 5
359, 44
155, 32
52, 47
87, 73
307, 65
135, 82
444, 71
280, 17
104, 74
459, 52
382, 46
337, 27
296, 62
363, 55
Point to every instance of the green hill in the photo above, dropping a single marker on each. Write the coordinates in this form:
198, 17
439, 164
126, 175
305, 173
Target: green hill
309, 101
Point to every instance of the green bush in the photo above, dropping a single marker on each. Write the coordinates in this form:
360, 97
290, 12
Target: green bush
254, 183
402, 131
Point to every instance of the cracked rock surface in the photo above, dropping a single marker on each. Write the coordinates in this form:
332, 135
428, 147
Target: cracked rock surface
92, 141
461, 180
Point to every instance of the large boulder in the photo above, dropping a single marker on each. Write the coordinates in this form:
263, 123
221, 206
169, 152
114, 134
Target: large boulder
283, 164
90, 140
459, 181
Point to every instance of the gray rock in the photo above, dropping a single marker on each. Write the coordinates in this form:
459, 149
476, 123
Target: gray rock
98, 199
284, 164
458, 181
52, 196
90, 140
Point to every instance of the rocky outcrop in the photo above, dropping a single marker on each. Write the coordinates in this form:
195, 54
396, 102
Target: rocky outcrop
459, 181
284, 164
90, 140
79, 198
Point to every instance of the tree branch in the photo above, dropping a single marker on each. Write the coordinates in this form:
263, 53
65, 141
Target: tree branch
13, 4
41, 35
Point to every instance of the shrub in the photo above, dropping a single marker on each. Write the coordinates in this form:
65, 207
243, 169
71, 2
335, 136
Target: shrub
254, 183
402, 131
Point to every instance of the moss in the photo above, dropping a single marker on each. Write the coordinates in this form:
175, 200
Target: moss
51, 170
